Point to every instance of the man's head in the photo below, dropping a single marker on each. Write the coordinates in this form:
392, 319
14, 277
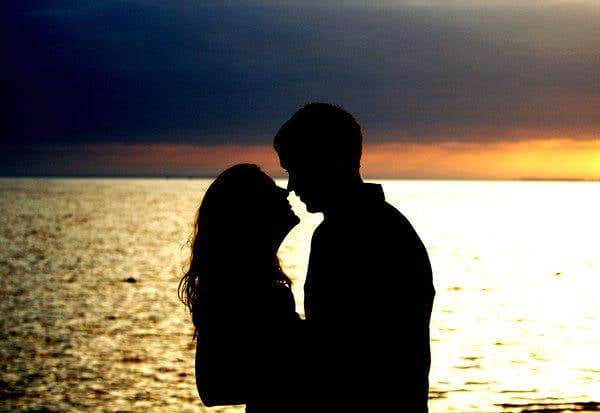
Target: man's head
320, 148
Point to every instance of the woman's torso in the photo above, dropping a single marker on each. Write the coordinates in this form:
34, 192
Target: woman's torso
252, 332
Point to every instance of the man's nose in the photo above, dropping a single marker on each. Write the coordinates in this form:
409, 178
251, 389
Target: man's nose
291, 184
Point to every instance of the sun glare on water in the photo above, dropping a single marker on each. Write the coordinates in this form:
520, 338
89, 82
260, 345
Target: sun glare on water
90, 316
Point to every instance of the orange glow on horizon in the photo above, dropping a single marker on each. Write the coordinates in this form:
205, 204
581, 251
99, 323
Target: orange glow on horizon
525, 159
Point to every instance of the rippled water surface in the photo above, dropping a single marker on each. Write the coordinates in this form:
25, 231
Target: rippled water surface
89, 315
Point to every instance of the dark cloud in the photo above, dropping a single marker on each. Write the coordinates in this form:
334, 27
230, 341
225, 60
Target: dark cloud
218, 72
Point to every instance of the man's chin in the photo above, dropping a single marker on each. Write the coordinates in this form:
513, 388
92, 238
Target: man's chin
311, 205
312, 208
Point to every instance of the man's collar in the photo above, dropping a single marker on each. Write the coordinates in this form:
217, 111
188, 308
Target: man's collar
372, 192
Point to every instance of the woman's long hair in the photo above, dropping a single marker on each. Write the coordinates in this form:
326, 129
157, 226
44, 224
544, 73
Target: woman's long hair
226, 243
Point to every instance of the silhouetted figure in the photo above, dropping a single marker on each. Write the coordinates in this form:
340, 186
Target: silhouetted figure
242, 307
369, 290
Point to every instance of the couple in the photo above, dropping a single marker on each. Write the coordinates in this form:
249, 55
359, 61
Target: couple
364, 345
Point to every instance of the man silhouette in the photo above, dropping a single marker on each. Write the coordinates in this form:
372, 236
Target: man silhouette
369, 290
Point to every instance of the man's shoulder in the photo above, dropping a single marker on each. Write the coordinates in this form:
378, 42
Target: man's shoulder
391, 212
369, 227
387, 218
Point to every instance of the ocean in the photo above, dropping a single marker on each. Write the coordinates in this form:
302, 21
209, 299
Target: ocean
90, 319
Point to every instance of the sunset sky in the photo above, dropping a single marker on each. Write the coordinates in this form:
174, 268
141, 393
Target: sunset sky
444, 89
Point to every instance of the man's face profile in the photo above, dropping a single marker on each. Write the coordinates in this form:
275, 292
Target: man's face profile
320, 148
308, 183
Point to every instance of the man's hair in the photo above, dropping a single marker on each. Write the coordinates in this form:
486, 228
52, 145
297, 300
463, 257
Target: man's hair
321, 132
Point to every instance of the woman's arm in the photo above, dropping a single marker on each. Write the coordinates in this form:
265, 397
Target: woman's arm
219, 370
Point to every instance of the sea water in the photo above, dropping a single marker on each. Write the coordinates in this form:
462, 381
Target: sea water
90, 319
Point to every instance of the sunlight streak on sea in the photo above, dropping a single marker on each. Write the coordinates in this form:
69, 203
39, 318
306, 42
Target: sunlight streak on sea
90, 317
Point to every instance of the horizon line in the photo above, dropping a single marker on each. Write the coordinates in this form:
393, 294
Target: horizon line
208, 176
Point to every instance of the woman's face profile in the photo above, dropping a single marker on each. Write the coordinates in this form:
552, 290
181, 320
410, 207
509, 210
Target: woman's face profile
250, 208
278, 212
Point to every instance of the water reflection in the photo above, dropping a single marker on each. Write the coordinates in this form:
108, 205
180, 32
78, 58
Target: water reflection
90, 316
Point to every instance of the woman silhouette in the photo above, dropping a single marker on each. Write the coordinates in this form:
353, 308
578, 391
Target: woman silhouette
242, 307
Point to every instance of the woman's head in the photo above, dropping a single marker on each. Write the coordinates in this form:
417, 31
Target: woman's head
243, 208
240, 224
